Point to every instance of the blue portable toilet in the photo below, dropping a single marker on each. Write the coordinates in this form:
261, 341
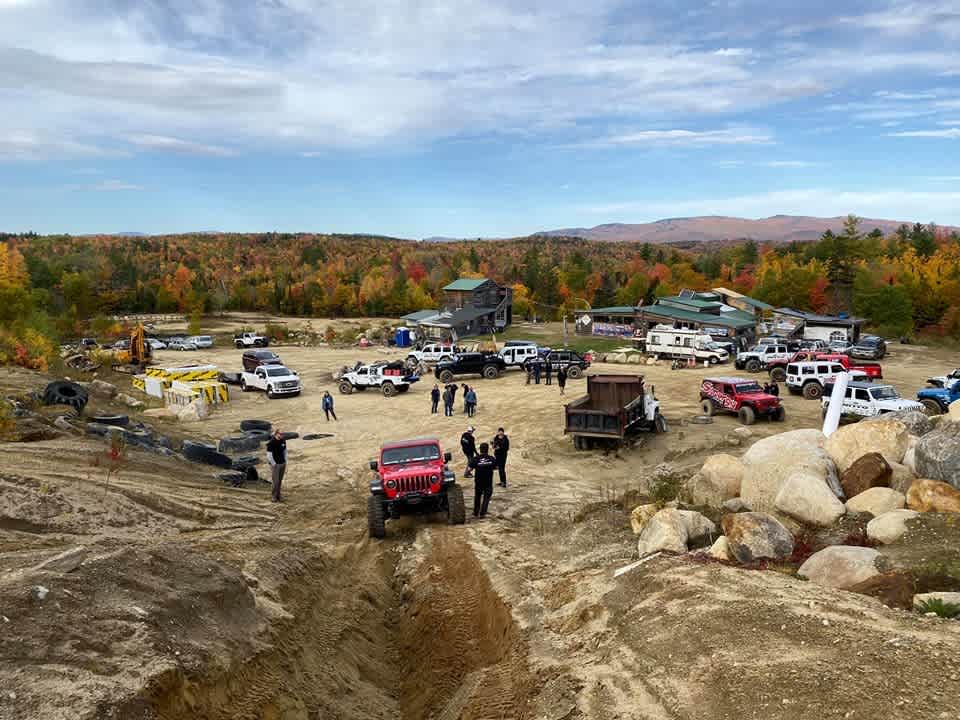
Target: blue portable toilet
402, 338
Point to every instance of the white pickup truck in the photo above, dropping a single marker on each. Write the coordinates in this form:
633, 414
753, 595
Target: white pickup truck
249, 339
867, 400
431, 353
391, 378
276, 380
757, 357
810, 377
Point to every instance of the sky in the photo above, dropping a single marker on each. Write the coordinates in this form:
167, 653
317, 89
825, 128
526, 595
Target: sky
470, 118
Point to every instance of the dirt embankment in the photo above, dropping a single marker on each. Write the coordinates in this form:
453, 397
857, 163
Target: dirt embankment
195, 599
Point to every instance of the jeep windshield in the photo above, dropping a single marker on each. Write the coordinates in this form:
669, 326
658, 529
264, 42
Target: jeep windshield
750, 387
414, 453
884, 393
275, 371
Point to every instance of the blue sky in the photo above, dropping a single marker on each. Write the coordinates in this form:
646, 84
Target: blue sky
472, 117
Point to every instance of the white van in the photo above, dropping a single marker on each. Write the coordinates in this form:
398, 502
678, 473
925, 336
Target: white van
517, 355
664, 341
201, 341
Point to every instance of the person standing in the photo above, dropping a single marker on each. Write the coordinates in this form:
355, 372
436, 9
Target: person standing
562, 379
536, 370
466, 402
277, 458
469, 446
471, 400
434, 399
453, 394
501, 446
447, 402
484, 465
327, 405
549, 371
528, 368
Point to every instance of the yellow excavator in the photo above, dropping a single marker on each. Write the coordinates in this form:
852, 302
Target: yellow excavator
135, 360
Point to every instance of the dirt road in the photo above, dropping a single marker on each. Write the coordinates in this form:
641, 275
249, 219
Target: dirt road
204, 601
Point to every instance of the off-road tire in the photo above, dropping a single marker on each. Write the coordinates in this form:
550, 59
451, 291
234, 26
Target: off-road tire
270, 393
575, 372
578, 443
243, 385
245, 461
346, 388
289, 435
752, 365
261, 435
778, 374
660, 424
116, 420
706, 407
446, 376
780, 415
206, 454
317, 436
490, 372
259, 343
456, 509
812, 391
264, 425
714, 359
376, 517
746, 415
388, 389
931, 406
238, 345
64, 392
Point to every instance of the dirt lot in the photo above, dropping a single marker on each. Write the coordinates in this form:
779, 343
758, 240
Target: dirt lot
197, 600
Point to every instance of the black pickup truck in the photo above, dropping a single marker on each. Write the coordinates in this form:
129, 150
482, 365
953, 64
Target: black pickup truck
489, 365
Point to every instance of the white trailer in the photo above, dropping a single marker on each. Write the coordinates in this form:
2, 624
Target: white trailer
664, 341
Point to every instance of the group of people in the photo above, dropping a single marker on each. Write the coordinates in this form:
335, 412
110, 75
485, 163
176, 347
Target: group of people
771, 388
481, 465
449, 397
537, 369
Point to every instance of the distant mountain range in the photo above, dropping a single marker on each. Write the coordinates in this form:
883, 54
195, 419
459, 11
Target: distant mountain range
712, 228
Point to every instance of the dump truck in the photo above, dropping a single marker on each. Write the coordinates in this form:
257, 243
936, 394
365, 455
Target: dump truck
614, 407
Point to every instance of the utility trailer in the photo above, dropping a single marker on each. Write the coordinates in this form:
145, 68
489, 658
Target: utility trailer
614, 407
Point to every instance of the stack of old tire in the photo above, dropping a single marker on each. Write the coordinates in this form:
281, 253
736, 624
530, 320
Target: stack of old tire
233, 453
132, 433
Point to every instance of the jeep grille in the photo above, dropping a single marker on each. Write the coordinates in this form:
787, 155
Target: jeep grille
414, 483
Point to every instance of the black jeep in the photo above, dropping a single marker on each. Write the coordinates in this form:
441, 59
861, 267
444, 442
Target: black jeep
489, 365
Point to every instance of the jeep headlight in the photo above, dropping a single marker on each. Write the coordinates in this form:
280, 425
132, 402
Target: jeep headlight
391, 484
434, 479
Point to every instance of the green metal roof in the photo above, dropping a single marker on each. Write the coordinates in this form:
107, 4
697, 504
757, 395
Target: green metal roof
734, 319
690, 302
466, 284
616, 310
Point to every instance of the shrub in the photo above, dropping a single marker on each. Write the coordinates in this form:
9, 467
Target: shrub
940, 608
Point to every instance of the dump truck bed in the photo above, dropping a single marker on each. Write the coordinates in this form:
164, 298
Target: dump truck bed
612, 405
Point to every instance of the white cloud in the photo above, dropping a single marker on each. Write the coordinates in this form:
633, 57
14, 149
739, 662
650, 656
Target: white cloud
684, 138
161, 143
791, 164
730, 163
27, 145
733, 52
950, 133
110, 186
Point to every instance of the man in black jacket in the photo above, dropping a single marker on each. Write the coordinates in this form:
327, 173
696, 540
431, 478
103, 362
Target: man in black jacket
434, 399
469, 446
277, 457
501, 446
484, 465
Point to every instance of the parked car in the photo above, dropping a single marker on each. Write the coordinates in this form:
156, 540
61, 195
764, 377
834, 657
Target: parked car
518, 343
250, 339
742, 397
489, 365
778, 368
839, 346
944, 380
252, 359
869, 348
391, 378
275, 380
813, 344
810, 378
517, 355
156, 344
866, 400
87, 343
181, 344
431, 353
201, 341
570, 360
759, 356
936, 400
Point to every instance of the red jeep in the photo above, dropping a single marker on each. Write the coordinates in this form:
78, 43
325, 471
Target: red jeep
740, 396
778, 369
412, 478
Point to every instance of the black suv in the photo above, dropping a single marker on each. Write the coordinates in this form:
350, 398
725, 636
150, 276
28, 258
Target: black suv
869, 347
252, 359
489, 365
573, 362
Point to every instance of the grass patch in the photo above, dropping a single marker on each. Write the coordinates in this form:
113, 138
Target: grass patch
940, 608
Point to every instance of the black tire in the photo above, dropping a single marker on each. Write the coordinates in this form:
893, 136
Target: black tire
265, 425
490, 372
456, 508
64, 392
245, 461
289, 435
230, 378
778, 374
270, 394
243, 385
388, 389
206, 454
117, 420
575, 372
259, 343
239, 345
261, 435
346, 387
317, 436
660, 424
706, 407
577, 442
98, 429
702, 419
812, 391
746, 415
780, 415
446, 376
931, 406
251, 475
241, 443
753, 365
376, 517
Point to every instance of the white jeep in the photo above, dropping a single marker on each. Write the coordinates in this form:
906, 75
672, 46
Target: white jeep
249, 339
867, 400
757, 357
431, 353
276, 380
391, 378
810, 377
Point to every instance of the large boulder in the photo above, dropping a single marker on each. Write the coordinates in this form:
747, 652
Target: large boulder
876, 501
953, 412
938, 454
917, 422
768, 463
870, 470
910, 459
901, 477
893, 589
641, 516
720, 550
718, 480
699, 527
103, 389
667, 530
753, 536
891, 526
888, 437
806, 497
933, 496
840, 566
